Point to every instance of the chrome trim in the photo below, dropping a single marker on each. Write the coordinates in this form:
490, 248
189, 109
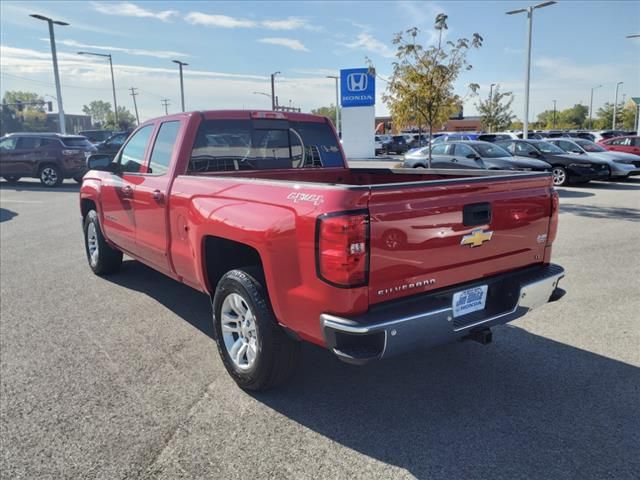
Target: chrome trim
337, 323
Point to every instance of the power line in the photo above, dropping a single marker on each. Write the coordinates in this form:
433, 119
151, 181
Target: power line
135, 105
49, 84
165, 102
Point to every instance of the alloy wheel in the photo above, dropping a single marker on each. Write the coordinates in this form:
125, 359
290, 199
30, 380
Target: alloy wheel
239, 331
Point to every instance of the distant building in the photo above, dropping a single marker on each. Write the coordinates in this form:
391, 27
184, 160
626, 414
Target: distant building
74, 123
457, 123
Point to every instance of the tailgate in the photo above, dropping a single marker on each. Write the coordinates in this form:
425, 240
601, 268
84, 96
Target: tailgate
432, 235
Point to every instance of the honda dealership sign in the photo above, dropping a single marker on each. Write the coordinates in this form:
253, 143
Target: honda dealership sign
357, 87
358, 99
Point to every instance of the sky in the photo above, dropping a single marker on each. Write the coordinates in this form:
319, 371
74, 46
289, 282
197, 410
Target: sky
232, 48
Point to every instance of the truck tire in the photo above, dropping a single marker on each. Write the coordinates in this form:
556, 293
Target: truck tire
12, 180
255, 350
50, 175
103, 259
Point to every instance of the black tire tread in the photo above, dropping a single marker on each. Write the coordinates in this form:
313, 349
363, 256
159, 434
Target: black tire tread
110, 259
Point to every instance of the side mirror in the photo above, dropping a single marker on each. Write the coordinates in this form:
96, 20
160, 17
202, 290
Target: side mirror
577, 151
99, 161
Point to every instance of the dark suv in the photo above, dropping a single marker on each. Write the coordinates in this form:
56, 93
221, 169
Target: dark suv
112, 145
48, 156
398, 144
96, 136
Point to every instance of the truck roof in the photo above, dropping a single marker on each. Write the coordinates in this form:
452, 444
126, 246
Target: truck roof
249, 114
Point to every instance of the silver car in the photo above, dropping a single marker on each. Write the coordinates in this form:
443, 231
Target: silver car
472, 154
621, 165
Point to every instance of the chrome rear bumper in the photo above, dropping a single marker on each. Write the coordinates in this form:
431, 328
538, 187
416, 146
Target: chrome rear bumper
427, 320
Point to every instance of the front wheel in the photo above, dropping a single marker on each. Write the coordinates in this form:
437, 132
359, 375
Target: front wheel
255, 350
103, 259
50, 176
560, 177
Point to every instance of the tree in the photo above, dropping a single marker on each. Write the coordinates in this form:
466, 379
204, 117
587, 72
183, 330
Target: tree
496, 110
329, 111
98, 110
126, 120
420, 90
28, 117
628, 117
604, 116
574, 117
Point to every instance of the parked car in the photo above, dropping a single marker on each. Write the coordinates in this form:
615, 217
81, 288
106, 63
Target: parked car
381, 142
48, 156
472, 155
628, 144
397, 144
278, 231
565, 168
96, 136
454, 137
600, 135
111, 145
621, 165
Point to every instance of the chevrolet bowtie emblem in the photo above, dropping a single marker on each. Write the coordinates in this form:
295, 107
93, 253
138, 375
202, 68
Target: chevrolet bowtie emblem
476, 238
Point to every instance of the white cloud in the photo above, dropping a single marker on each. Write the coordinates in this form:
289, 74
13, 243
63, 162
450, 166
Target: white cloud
128, 9
291, 43
223, 21
128, 51
368, 43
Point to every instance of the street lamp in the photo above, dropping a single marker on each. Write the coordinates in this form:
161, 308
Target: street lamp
274, 102
554, 114
262, 93
113, 82
491, 106
615, 107
54, 56
529, 11
337, 79
591, 104
181, 64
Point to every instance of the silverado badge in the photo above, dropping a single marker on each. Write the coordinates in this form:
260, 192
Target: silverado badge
476, 238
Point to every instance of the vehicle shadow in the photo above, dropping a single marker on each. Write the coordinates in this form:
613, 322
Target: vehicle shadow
564, 193
593, 211
184, 301
6, 214
627, 184
525, 407
36, 186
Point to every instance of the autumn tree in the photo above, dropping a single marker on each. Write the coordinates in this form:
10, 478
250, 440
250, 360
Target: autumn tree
496, 110
421, 87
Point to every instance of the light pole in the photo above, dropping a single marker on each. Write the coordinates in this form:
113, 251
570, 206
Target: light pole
554, 114
52, 39
274, 102
529, 10
265, 94
491, 106
113, 82
181, 64
591, 104
337, 79
615, 107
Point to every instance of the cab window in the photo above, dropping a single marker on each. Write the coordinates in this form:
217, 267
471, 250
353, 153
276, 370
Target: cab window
163, 148
131, 157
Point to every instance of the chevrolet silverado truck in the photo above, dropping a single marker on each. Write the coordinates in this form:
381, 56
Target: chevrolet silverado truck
261, 211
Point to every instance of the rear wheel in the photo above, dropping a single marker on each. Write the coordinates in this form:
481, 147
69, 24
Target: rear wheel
255, 350
50, 176
559, 175
103, 259
78, 178
12, 180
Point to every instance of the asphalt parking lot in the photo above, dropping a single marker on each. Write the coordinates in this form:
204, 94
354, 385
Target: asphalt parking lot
119, 377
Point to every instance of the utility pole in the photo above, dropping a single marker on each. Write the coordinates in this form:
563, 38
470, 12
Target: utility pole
165, 102
591, 105
554, 114
56, 75
529, 10
274, 99
181, 64
615, 107
135, 105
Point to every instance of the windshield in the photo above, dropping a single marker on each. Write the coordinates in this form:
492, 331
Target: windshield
590, 146
223, 145
546, 147
489, 150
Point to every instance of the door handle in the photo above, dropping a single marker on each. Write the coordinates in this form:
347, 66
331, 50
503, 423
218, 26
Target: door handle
127, 191
157, 195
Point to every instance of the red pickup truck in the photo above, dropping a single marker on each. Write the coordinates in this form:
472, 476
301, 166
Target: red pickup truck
261, 211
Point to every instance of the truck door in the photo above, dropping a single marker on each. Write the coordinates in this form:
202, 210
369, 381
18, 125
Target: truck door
118, 222
151, 197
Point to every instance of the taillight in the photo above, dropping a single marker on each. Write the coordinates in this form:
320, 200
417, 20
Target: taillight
553, 221
342, 249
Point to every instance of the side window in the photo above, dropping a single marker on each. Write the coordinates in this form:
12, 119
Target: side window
8, 144
48, 142
132, 157
507, 145
438, 149
524, 148
463, 150
163, 148
635, 142
27, 143
566, 146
